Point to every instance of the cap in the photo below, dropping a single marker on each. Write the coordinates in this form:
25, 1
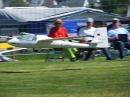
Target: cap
89, 20
116, 19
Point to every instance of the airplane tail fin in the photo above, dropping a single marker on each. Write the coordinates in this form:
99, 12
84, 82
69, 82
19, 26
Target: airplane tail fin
101, 38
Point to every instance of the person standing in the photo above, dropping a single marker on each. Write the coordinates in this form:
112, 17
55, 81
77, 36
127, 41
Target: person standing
113, 33
59, 31
88, 31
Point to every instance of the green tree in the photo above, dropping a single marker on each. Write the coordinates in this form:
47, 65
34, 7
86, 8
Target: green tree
115, 6
17, 3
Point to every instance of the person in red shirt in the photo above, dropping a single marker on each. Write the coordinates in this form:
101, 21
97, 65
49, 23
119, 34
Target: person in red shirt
59, 31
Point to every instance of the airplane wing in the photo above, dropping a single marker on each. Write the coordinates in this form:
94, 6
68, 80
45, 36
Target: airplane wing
6, 45
60, 38
6, 37
4, 58
63, 38
14, 36
6, 51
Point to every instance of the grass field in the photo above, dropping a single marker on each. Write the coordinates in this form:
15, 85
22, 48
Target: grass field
95, 78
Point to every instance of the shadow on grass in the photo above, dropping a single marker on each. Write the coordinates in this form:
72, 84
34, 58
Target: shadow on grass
67, 69
71, 69
12, 72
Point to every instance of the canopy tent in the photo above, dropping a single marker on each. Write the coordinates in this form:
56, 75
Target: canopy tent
36, 19
21, 15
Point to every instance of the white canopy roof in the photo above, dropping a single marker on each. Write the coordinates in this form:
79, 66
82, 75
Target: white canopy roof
24, 14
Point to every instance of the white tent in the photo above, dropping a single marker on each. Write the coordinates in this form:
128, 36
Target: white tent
36, 18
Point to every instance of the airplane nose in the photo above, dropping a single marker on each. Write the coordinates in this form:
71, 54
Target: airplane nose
12, 41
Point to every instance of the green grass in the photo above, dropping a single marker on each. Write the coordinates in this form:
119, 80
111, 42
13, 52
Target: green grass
95, 78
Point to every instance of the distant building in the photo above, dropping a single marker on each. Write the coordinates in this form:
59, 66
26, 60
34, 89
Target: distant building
49, 3
94, 1
1, 4
73, 3
128, 12
6, 3
54, 3
34, 3
77, 3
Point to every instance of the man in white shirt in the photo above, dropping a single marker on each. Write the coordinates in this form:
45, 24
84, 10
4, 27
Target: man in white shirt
89, 32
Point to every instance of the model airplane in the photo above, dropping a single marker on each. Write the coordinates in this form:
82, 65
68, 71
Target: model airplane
100, 40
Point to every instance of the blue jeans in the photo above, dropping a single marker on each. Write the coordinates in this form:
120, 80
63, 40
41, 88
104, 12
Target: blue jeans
104, 50
120, 46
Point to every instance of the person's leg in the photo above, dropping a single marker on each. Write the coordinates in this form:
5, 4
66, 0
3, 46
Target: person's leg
88, 55
120, 46
80, 52
127, 45
74, 50
107, 53
70, 54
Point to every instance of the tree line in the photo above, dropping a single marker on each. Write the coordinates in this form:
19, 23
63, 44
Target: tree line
115, 6
14, 3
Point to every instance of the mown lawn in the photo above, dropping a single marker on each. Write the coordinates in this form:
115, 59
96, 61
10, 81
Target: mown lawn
95, 78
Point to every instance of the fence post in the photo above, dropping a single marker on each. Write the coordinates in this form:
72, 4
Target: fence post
12, 34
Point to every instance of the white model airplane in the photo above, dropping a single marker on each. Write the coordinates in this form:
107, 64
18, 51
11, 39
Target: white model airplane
100, 40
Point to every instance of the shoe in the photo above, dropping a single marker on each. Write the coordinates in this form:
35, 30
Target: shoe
73, 59
109, 59
79, 54
122, 58
87, 59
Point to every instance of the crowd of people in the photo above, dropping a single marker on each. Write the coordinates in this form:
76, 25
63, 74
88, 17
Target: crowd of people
60, 31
